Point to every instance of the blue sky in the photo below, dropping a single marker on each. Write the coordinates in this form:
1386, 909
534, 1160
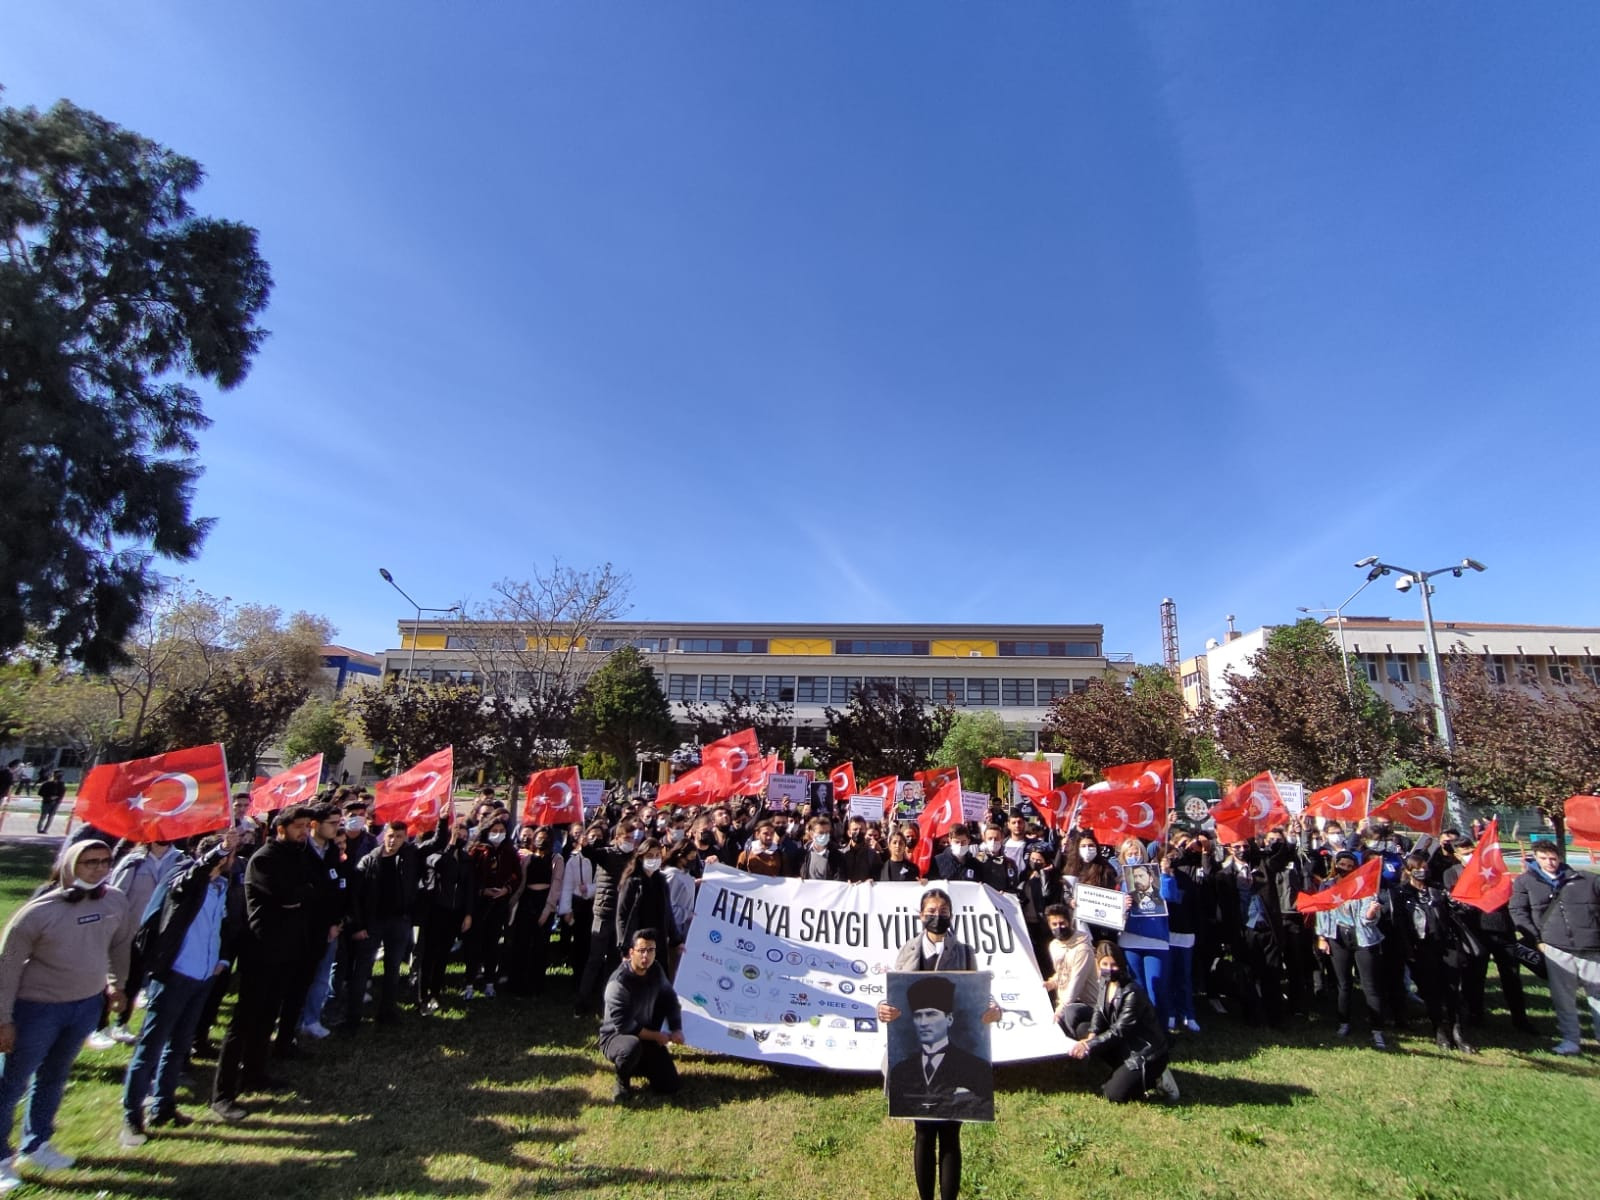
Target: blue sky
894, 311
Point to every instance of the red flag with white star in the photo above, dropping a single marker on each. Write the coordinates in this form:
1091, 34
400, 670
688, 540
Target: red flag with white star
290, 786
1420, 809
419, 796
843, 778
158, 799
555, 797
1035, 780
1484, 882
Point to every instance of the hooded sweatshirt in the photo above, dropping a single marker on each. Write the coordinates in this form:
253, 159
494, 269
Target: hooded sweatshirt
66, 944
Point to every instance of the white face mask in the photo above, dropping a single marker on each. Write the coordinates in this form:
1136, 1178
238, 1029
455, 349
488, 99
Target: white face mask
959, 849
1088, 853
992, 846
355, 824
496, 838
652, 865
820, 841
83, 885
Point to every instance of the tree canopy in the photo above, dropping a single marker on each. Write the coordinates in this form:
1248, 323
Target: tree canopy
885, 731
113, 292
1111, 722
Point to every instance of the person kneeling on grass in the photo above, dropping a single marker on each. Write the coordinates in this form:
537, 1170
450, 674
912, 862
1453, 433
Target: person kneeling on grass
1125, 1030
639, 1000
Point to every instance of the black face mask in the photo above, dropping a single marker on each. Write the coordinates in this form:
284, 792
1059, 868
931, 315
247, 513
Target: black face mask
937, 923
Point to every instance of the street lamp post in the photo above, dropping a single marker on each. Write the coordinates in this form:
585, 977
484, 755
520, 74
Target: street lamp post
1441, 715
1338, 617
411, 662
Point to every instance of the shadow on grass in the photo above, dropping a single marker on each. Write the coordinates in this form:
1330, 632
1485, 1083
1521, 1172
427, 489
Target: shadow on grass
1215, 1091
1558, 1065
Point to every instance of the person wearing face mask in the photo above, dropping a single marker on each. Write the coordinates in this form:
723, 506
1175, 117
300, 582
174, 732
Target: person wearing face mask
861, 861
1071, 977
609, 860
1039, 888
791, 846
1145, 937
1179, 867
955, 862
496, 873
533, 910
1288, 875
446, 902
898, 867
1435, 950
1125, 1030
644, 900
936, 1145
1351, 937
61, 956
822, 860
1251, 919
995, 866
359, 840
760, 855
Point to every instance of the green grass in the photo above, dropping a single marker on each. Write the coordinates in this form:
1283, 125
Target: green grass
510, 1098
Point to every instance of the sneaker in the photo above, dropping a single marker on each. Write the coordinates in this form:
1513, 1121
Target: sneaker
157, 1118
100, 1040
1567, 1049
467, 992
132, 1136
1168, 1086
621, 1092
46, 1157
8, 1175
315, 1030
430, 1007
1192, 1025
1342, 1031
1172, 1024
488, 991
123, 1035
227, 1110
1377, 1041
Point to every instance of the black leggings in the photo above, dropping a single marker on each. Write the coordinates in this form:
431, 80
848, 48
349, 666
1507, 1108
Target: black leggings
946, 1135
1346, 954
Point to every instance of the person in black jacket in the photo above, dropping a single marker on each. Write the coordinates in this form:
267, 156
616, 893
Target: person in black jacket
187, 944
898, 867
326, 919
956, 861
1430, 932
277, 892
609, 861
861, 861
822, 860
445, 907
1558, 910
383, 902
1125, 1030
643, 900
496, 873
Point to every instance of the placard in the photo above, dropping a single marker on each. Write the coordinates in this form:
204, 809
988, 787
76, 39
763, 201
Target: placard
791, 970
787, 792
1293, 794
910, 797
939, 1064
1099, 906
975, 806
594, 795
868, 808
1142, 881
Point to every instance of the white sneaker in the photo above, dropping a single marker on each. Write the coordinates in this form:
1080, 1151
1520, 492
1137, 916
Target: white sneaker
1172, 1024
8, 1175
467, 993
123, 1035
1192, 1025
315, 1030
46, 1157
100, 1040
1168, 1086
488, 991
1567, 1049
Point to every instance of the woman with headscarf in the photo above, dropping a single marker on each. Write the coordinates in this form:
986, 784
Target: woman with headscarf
61, 957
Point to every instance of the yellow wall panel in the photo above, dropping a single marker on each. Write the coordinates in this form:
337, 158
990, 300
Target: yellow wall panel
947, 648
800, 646
425, 641
552, 645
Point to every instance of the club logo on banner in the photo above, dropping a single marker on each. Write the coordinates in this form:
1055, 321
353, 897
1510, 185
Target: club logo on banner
791, 971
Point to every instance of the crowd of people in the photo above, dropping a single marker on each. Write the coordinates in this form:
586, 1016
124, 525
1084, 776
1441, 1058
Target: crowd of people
294, 912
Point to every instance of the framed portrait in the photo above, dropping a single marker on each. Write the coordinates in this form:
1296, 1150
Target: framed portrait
939, 1061
1142, 881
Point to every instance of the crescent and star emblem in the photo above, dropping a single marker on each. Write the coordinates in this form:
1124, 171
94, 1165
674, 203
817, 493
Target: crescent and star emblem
191, 793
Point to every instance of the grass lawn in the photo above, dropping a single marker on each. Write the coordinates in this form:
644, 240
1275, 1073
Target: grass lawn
507, 1097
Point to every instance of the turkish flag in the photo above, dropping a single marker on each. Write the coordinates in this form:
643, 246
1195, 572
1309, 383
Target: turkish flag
1343, 801
158, 799
942, 814
1420, 809
843, 778
1360, 884
738, 754
1484, 882
1251, 809
1035, 780
1118, 810
885, 790
555, 797
935, 778
420, 796
1583, 820
1055, 810
755, 780
705, 784
1156, 772
292, 785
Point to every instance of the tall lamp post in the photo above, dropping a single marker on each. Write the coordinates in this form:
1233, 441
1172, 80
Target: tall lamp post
1407, 580
1338, 617
412, 661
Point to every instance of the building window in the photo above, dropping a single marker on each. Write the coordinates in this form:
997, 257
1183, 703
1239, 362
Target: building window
723, 645
1592, 670
985, 692
780, 688
948, 690
1027, 740
1424, 673
856, 646
1049, 649
844, 688
880, 685
1016, 693
811, 689
1369, 664
454, 641
1396, 669
683, 687
1495, 667
1560, 672
714, 687
1527, 670
917, 686
650, 644
1051, 690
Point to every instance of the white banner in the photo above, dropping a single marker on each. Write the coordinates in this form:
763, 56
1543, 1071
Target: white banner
791, 971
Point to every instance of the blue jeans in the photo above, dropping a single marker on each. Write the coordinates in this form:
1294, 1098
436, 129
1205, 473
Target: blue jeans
171, 1017
321, 987
1180, 982
49, 1036
1149, 967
